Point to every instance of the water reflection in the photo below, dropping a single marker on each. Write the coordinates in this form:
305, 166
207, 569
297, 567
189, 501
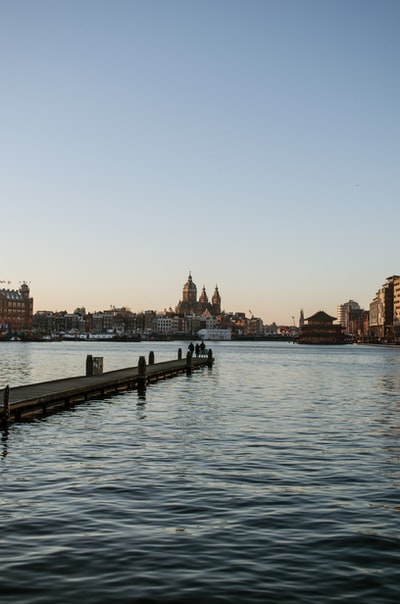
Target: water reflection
141, 395
4, 444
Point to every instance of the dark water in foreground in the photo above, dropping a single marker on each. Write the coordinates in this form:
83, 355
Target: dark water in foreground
274, 477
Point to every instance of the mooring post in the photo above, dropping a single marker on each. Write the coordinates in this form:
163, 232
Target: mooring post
151, 357
210, 358
6, 404
189, 363
89, 365
179, 354
142, 375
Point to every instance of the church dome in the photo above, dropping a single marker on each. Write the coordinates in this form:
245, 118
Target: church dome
189, 293
189, 283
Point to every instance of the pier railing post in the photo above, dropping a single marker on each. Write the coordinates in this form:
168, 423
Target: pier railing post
151, 358
189, 363
89, 365
141, 382
6, 404
179, 354
210, 357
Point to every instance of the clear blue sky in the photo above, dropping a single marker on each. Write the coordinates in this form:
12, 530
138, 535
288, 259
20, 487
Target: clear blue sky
254, 143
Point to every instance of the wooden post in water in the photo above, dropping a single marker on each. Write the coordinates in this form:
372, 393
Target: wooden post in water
151, 357
89, 365
210, 358
189, 363
6, 404
179, 354
142, 377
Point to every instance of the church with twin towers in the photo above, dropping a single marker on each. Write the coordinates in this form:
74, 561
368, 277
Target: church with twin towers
190, 305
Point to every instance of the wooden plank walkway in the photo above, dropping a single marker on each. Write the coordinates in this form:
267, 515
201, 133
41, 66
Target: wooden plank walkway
24, 403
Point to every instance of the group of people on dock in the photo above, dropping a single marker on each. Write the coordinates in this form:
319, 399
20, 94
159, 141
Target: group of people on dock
198, 349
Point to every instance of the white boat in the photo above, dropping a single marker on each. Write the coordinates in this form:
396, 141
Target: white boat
215, 334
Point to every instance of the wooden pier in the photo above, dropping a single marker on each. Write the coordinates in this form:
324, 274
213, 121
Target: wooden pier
24, 403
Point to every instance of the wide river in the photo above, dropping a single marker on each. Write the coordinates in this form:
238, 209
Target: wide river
273, 477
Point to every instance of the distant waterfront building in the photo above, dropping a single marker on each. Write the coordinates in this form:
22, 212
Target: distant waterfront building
16, 309
190, 305
344, 312
354, 320
382, 315
396, 306
321, 330
164, 324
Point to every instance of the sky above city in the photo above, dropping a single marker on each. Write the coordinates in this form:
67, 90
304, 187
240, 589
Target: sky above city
255, 143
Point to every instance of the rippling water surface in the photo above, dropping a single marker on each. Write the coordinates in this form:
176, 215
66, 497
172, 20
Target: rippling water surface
273, 477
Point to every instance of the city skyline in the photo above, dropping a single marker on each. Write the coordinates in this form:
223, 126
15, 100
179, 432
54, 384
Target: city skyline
195, 303
254, 144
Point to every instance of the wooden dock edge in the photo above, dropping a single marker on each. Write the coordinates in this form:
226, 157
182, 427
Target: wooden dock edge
25, 403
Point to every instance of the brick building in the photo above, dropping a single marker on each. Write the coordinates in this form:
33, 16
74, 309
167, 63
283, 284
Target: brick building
16, 310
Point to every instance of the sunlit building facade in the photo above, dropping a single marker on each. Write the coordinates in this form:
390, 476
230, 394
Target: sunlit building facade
16, 309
